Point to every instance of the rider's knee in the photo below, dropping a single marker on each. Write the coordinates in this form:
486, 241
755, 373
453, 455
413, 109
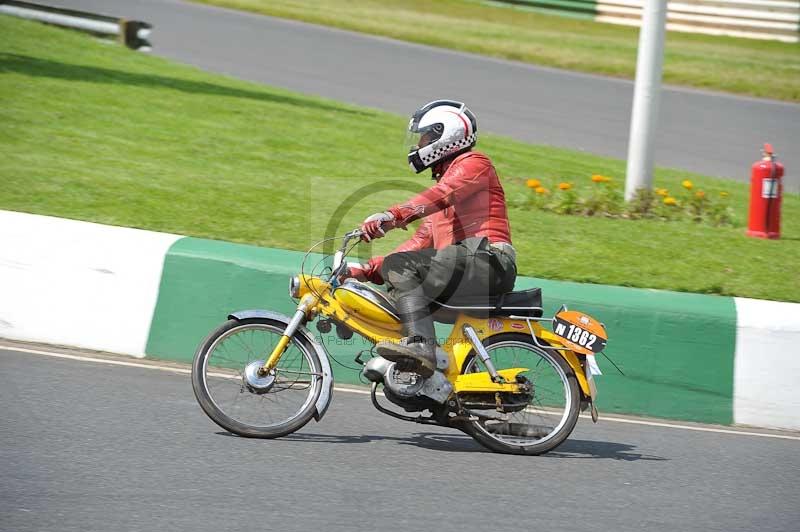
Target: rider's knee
394, 263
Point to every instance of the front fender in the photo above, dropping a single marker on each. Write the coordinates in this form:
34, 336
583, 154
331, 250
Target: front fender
326, 394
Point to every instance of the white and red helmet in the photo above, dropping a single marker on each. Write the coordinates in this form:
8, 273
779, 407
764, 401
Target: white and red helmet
440, 130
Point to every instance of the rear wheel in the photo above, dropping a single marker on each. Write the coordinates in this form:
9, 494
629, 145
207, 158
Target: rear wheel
226, 384
552, 410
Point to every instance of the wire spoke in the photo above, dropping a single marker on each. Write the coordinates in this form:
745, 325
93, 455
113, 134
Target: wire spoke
294, 383
546, 410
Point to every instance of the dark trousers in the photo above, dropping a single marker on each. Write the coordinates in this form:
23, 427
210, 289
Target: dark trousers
418, 279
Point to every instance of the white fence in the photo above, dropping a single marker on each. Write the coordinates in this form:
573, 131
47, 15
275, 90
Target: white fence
757, 19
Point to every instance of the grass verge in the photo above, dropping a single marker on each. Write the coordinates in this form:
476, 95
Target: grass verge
95, 132
766, 69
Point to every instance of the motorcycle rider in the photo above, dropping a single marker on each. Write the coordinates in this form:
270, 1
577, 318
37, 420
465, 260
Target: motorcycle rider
463, 246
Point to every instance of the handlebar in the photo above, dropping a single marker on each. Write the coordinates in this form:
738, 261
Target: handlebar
338, 258
355, 233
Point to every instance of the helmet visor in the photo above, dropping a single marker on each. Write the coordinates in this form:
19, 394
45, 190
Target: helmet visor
419, 138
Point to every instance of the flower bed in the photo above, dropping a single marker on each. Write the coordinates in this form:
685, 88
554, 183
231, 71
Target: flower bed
600, 195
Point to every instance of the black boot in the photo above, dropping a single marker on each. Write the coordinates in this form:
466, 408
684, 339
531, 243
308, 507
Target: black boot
417, 351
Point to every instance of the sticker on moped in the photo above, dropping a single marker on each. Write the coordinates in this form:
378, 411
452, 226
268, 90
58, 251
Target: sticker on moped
580, 332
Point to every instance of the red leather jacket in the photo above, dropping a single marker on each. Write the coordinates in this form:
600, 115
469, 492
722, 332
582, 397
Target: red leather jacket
468, 200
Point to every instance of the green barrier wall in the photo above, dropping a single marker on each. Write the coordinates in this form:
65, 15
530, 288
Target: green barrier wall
585, 9
676, 349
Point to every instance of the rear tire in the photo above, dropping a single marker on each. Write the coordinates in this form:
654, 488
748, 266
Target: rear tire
298, 370
501, 437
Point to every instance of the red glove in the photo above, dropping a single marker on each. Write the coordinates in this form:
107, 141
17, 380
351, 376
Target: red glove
364, 272
375, 226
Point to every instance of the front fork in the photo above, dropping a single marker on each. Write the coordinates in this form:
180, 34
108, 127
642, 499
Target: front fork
298, 320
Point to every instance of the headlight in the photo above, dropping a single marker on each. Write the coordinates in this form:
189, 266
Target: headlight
294, 287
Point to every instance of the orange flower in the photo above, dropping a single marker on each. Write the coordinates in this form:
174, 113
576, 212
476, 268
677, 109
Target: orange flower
669, 200
700, 194
687, 184
564, 186
541, 190
533, 183
597, 178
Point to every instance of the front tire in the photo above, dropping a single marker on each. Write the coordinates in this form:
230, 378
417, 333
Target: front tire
554, 406
222, 390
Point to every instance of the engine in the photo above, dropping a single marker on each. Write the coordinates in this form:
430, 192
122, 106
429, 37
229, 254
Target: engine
407, 389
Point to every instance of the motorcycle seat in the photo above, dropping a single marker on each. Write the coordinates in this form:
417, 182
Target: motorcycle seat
526, 303
521, 303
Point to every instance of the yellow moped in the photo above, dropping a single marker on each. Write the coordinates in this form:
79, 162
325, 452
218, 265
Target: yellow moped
501, 377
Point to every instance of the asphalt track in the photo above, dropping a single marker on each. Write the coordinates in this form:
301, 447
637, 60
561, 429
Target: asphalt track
706, 132
88, 446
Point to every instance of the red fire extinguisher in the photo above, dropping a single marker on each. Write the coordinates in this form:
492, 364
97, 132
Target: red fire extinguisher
766, 190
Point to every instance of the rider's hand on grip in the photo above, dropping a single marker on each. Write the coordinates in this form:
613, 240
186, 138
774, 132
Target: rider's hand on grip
376, 225
362, 272
355, 271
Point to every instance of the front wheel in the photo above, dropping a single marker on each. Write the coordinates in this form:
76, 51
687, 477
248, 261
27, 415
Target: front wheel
552, 409
271, 406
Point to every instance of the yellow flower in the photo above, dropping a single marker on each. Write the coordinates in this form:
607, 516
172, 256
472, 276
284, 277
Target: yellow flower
533, 183
662, 192
687, 184
723, 194
700, 194
541, 190
564, 186
669, 200
597, 178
